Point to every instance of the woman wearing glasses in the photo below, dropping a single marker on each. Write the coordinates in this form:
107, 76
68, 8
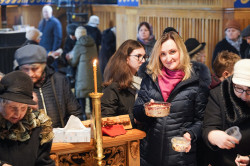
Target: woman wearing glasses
229, 105
171, 77
121, 81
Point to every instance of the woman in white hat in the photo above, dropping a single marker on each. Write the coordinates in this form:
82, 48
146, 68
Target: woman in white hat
228, 106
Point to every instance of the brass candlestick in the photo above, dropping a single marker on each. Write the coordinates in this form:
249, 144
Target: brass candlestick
97, 126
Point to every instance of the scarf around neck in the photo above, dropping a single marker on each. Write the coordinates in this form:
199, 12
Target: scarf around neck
22, 130
235, 44
136, 83
168, 81
144, 42
236, 110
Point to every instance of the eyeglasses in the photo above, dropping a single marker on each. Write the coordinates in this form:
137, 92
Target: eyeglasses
239, 90
141, 57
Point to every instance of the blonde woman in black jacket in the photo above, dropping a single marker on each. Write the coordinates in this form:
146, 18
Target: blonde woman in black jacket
171, 77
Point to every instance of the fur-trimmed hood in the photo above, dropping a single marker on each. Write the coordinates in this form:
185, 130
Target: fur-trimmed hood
236, 110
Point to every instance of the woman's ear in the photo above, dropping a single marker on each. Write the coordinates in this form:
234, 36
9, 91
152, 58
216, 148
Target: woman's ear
128, 60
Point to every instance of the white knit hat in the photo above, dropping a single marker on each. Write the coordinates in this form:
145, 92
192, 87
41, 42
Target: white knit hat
33, 34
80, 31
94, 21
241, 74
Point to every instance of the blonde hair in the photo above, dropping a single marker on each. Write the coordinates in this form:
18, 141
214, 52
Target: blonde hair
155, 65
80, 31
33, 34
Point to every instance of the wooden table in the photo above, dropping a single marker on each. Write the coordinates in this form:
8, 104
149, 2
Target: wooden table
122, 150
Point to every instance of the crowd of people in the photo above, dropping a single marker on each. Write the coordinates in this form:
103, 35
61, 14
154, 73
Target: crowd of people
37, 96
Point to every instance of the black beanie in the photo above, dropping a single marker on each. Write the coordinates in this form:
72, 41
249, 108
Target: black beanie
71, 28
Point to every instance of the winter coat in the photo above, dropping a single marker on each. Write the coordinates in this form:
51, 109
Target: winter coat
28, 150
188, 101
52, 34
215, 81
247, 53
66, 100
83, 56
116, 102
224, 110
148, 46
224, 45
108, 47
96, 34
68, 45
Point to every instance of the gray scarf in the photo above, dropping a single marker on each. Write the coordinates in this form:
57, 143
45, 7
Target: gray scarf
235, 44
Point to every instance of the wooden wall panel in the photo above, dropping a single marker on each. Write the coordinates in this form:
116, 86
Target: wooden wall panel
107, 15
204, 25
242, 15
190, 3
202, 19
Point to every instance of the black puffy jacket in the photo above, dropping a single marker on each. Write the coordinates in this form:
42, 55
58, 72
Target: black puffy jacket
66, 100
188, 101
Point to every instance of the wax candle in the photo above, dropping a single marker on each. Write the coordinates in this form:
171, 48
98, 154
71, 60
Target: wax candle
95, 77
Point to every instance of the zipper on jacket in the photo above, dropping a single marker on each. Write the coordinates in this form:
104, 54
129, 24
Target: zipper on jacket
44, 106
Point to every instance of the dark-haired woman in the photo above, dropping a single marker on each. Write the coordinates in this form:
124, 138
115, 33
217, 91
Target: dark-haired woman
120, 80
145, 37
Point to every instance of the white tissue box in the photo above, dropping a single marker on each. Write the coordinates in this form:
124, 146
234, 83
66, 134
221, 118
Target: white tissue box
79, 135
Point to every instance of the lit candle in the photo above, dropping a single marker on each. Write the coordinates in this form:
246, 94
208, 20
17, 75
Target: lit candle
95, 78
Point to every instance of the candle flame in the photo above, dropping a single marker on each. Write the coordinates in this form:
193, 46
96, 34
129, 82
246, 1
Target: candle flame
94, 63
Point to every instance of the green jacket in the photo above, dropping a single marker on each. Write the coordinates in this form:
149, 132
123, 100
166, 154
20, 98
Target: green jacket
84, 53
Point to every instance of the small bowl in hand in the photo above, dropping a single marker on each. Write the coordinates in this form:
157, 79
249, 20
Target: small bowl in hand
157, 109
180, 144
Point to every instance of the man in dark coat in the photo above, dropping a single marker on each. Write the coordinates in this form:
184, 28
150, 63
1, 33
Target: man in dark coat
52, 88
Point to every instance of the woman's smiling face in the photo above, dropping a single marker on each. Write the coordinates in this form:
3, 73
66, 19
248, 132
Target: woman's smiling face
170, 55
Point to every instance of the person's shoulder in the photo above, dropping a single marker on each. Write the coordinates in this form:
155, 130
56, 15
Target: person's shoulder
112, 86
244, 42
222, 42
55, 20
86, 40
202, 71
216, 91
59, 76
199, 66
56, 75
